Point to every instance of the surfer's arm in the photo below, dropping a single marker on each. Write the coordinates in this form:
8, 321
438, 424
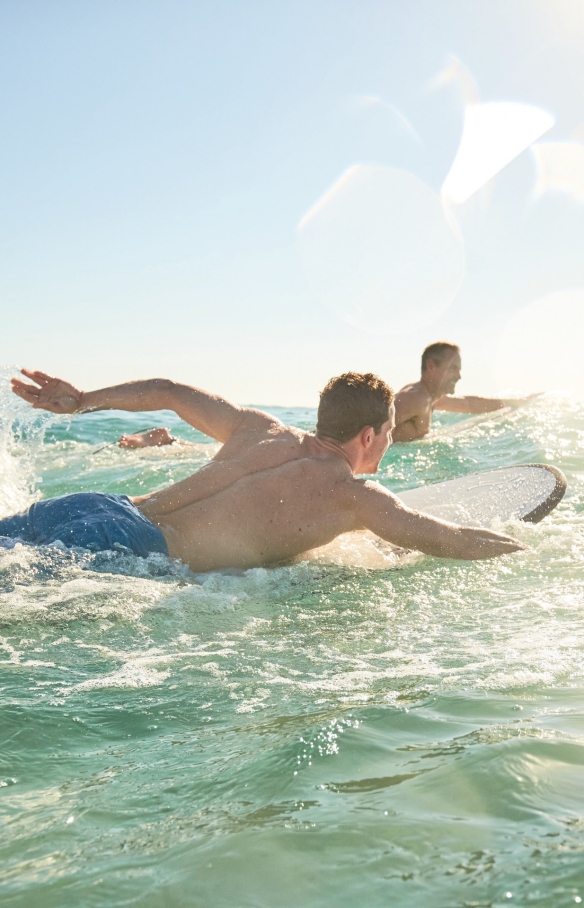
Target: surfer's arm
386, 516
520, 401
208, 413
479, 404
469, 404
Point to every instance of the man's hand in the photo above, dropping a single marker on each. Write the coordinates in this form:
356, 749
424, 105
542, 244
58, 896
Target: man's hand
206, 412
516, 402
47, 393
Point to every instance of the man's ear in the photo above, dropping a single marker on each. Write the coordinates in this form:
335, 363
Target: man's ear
367, 433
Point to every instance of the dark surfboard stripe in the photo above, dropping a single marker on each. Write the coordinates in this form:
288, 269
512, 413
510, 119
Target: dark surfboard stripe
553, 499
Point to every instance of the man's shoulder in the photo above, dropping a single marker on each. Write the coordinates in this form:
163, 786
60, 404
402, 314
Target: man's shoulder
411, 401
253, 418
367, 496
413, 390
258, 432
258, 426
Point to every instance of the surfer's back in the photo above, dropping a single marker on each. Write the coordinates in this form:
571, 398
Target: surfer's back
266, 516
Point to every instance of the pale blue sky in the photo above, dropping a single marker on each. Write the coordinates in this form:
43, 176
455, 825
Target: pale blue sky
157, 157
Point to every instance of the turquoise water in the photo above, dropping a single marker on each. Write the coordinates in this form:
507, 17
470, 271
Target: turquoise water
308, 735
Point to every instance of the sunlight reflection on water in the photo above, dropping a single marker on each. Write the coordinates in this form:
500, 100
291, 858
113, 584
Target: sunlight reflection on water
390, 732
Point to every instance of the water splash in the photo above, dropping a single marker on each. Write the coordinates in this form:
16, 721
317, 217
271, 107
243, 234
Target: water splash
426, 719
22, 431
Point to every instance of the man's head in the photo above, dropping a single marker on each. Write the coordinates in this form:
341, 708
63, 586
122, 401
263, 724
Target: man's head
441, 365
357, 407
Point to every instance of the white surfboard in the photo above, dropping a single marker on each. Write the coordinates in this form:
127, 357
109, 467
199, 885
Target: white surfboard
526, 492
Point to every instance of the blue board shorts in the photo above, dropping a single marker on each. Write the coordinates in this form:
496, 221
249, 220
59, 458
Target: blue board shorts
87, 520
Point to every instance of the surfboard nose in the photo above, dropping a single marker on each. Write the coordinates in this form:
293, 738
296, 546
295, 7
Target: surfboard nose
526, 492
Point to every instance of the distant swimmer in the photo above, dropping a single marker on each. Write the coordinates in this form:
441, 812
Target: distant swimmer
151, 438
271, 493
441, 370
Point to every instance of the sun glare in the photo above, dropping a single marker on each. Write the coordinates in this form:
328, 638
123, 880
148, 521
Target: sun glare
560, 168
456, 73
365, 102
540, 349
493, 135
380, 251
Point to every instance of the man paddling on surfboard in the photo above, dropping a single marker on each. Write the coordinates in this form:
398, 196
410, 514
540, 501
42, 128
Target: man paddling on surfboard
441, 369
414, 404
271, 493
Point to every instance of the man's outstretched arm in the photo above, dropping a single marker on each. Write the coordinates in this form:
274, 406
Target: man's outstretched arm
208, 413
386, 516
470, 404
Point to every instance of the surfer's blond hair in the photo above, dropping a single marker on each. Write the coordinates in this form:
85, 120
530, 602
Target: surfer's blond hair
352, 401
437, 352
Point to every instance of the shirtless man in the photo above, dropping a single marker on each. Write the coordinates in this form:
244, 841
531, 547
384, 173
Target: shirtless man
415, 403
271, 493
151, 438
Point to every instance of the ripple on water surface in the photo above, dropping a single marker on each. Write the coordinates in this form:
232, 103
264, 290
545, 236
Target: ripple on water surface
303, 735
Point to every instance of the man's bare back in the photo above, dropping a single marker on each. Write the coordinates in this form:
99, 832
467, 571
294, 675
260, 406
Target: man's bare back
272, 492
267, 516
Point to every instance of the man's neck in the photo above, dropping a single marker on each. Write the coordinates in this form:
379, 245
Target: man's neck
433, 393
335, 447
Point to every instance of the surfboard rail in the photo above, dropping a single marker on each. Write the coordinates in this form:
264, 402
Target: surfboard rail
527, 492
547, 506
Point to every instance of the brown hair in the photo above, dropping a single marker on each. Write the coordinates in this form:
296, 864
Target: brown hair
350, 402
437, 352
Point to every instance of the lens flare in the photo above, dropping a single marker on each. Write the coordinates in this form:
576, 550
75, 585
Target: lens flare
493, 135
560, 168
380, 251
370, 102
456, 73
540, 349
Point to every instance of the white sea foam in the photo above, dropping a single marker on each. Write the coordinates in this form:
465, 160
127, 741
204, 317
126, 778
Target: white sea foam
16, 460
258, 703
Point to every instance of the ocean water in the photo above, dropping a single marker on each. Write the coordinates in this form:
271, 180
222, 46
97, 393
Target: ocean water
309, 735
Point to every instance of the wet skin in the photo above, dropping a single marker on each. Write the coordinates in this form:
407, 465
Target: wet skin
272, 492
415, 403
